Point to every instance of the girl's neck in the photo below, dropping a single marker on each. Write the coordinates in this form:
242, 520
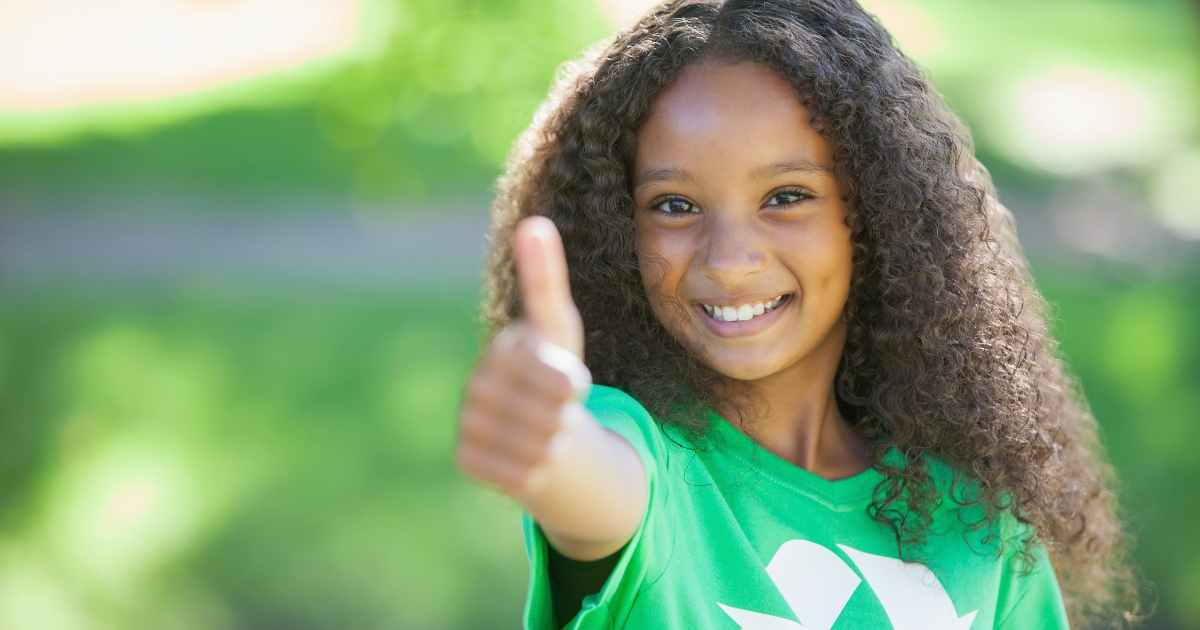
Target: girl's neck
796, 417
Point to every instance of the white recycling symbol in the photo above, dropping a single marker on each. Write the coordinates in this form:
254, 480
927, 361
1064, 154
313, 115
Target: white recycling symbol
816, 584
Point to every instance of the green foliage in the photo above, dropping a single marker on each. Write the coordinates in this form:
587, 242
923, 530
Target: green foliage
1137, 351
267, 465
432, 113
177, 461
224, 464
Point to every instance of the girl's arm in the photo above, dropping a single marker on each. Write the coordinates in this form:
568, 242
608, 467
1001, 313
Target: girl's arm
523, 430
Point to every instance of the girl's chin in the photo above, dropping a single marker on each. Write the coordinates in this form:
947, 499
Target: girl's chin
743, 370
745, 358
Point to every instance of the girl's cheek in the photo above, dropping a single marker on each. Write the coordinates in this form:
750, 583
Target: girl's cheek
654, 280
662, 292
657, 264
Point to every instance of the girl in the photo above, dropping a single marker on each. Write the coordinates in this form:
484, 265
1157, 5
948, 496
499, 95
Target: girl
826, 395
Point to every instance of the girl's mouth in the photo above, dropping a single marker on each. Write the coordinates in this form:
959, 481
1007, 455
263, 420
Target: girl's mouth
744, 312
742, 320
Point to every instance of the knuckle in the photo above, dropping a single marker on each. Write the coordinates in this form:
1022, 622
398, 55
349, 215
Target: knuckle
483, 469
559, 381
487, 360
507, 365
462, 459
469, 426
476, 384
467, 461
538, 451
518, 472
534, 447
482, 433
549, 424
540, 415
519, 353
530, 416
486, 391
545, 378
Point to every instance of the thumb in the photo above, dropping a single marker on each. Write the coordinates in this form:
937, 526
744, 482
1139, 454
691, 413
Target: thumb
545, 287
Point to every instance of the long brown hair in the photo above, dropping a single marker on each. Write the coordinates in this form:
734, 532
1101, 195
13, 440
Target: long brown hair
948, 354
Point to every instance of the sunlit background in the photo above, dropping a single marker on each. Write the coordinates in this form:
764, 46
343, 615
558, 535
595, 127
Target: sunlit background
240, 257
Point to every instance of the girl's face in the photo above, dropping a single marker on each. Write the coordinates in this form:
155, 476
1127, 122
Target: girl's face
735, 194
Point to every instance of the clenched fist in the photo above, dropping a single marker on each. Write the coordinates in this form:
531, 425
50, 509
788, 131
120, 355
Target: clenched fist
524, 429
525, 390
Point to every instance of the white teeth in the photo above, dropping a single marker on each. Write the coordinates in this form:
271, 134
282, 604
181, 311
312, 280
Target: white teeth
742, 313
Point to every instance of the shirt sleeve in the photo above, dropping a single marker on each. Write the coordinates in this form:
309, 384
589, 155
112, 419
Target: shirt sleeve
1032, 599
645, 555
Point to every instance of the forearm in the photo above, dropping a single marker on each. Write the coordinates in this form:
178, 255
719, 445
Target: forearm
596, 492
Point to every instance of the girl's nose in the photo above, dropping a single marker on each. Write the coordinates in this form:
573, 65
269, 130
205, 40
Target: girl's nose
733, 250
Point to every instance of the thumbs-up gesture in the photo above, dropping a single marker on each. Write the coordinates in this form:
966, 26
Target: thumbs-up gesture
524, 430
545, 288
524, 390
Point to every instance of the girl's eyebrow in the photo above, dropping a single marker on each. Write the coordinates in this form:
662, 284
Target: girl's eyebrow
673, 174
799, 165
656, 175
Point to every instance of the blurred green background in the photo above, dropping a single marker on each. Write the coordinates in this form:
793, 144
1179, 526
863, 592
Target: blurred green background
240, 256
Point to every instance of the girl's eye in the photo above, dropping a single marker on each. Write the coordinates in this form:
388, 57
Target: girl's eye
677, 206
786, 197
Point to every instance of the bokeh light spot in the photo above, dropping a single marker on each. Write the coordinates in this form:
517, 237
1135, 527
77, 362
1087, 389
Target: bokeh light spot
128, 504
1074, 119
57, 54
1177, 195
913, 27
622, 13
124, 511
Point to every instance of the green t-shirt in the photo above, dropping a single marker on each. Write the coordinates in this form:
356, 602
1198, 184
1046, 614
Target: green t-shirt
735, 537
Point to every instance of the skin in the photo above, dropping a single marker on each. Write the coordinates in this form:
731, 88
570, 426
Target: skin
523, 431
757, 214
735, 194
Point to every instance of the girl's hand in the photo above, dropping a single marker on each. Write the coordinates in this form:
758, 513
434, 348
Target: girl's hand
524, 429
523, 391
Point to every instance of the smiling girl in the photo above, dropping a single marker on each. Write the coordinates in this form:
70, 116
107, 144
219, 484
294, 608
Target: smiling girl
826, 397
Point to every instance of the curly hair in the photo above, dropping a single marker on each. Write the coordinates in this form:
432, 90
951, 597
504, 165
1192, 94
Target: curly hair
948, 352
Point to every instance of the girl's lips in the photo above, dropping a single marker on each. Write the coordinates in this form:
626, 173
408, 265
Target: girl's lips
742, 328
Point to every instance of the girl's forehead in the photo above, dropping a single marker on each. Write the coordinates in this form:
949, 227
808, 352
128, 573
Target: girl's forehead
737, 110
728, 80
